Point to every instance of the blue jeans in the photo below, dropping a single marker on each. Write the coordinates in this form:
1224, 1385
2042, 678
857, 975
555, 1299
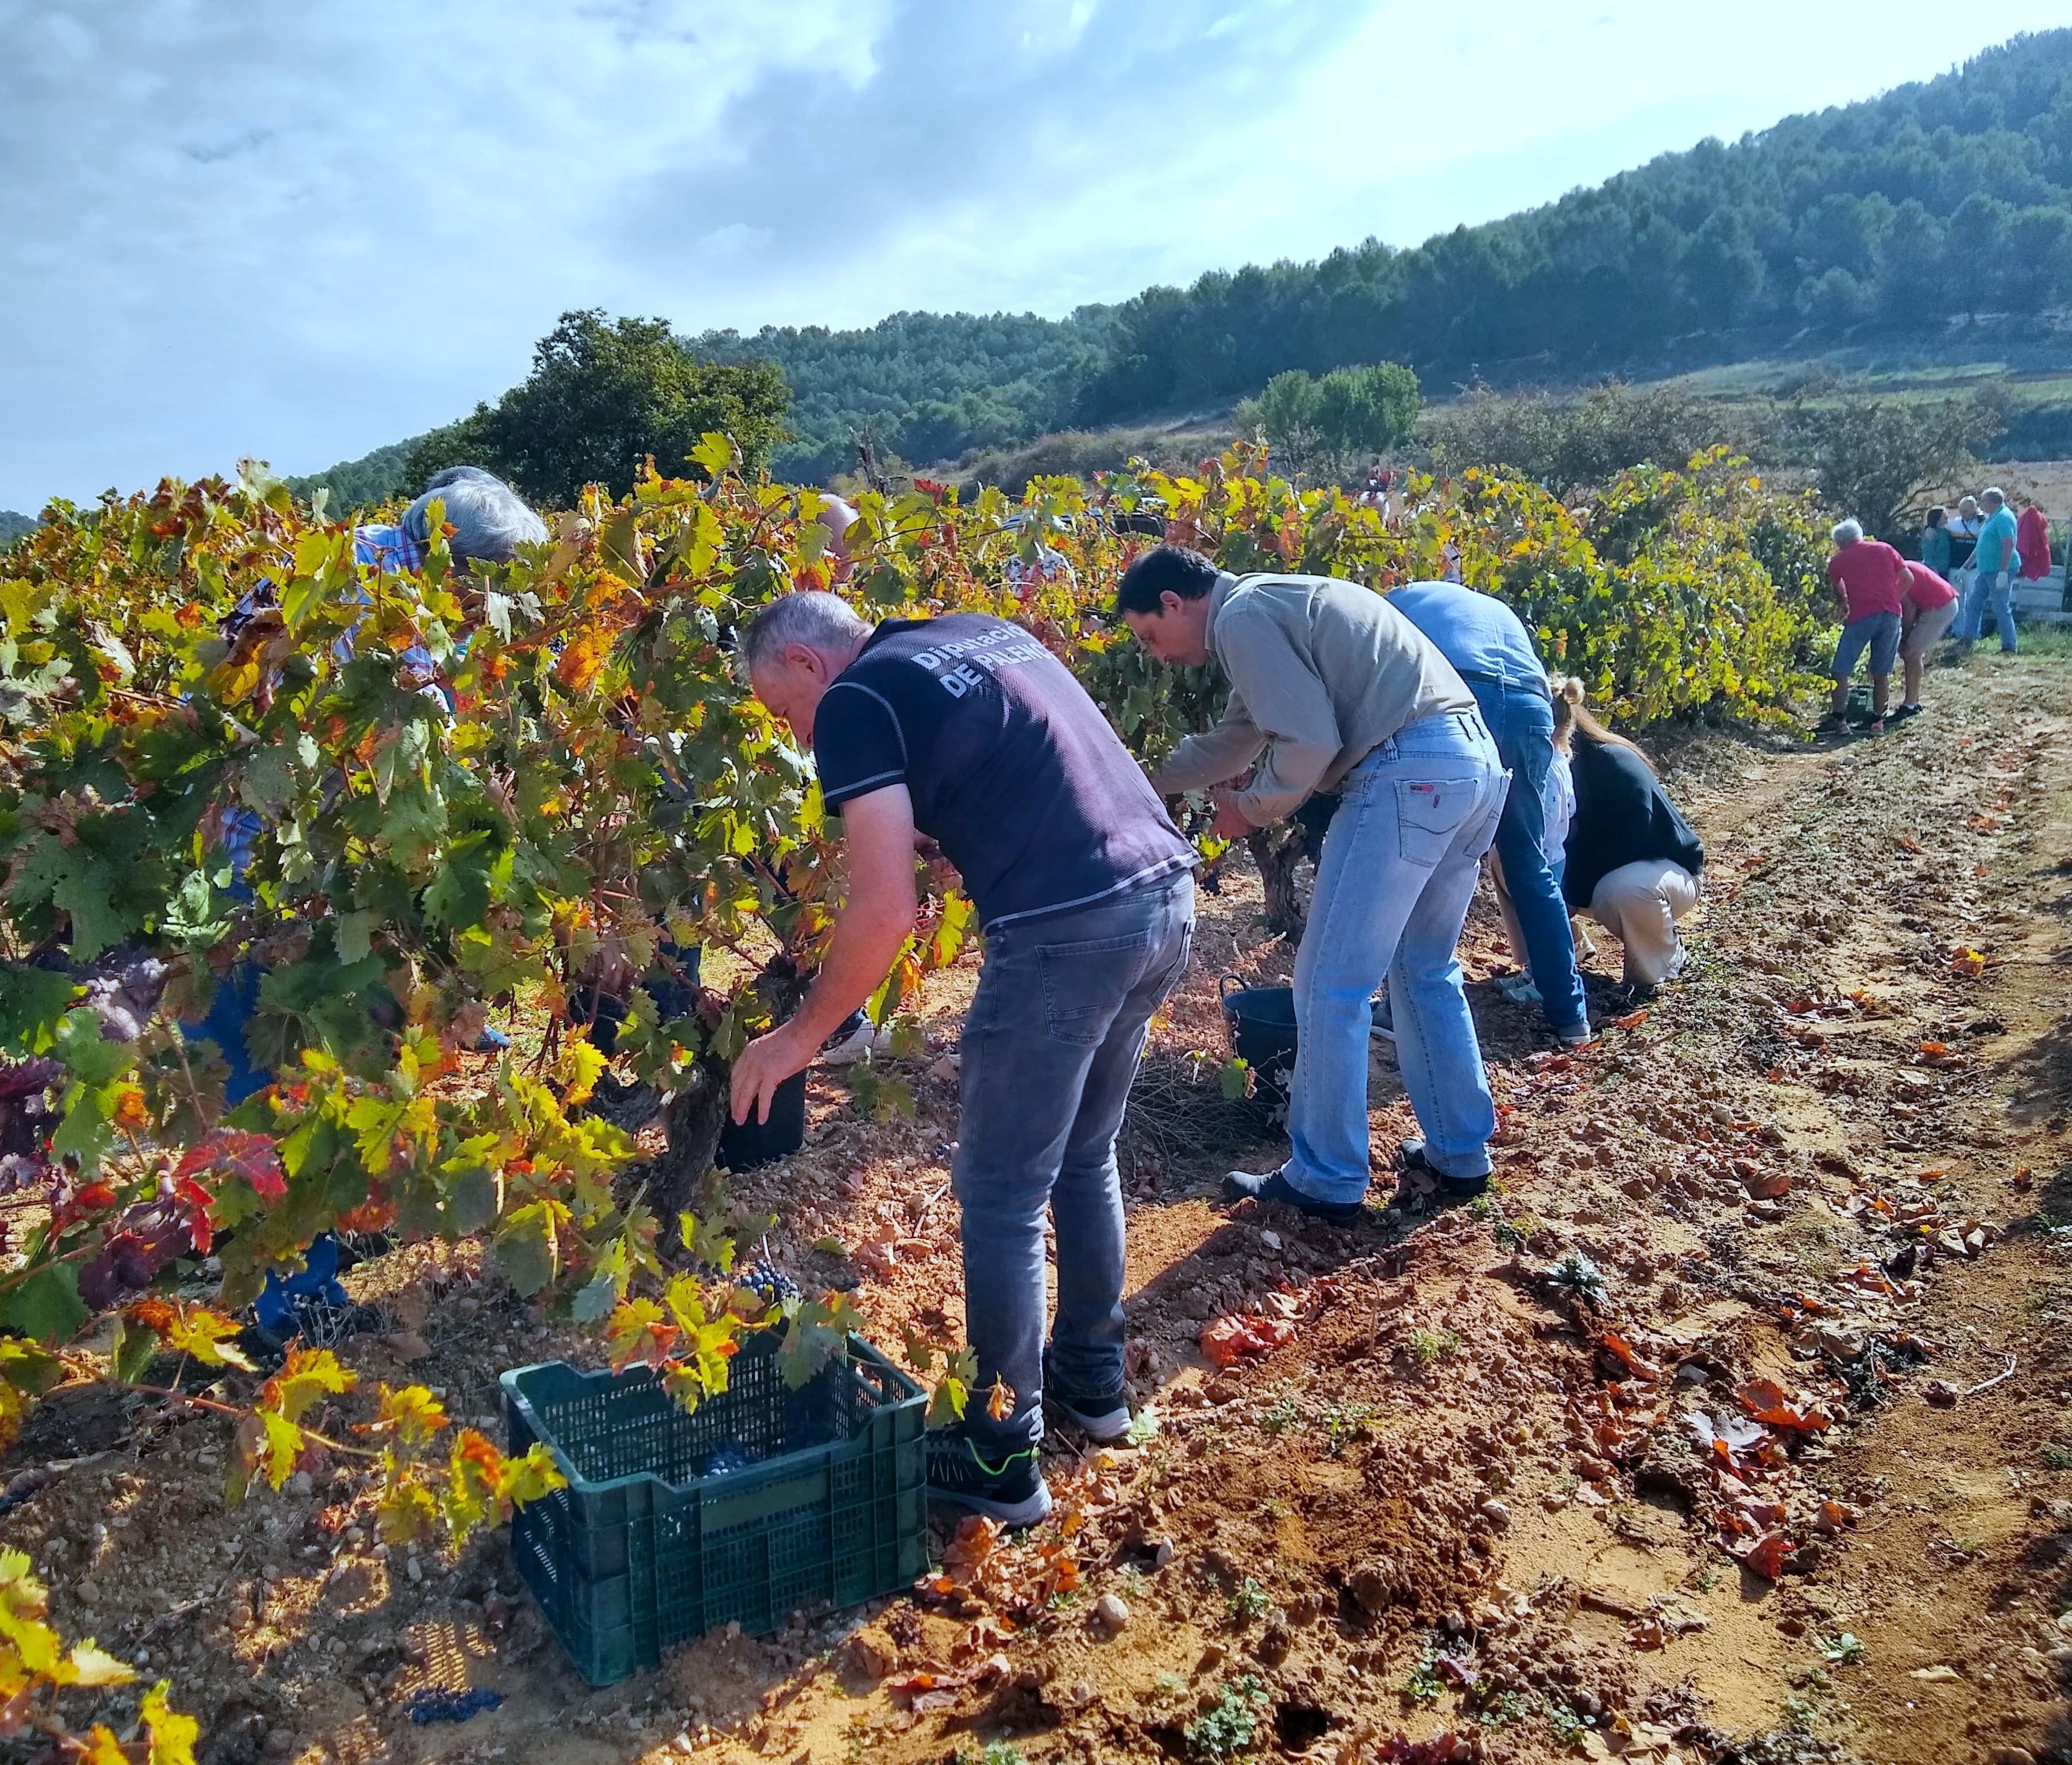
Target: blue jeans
1520, 720
1996, 586
1877, 632
1400, 868
230, 1014
1050, 1047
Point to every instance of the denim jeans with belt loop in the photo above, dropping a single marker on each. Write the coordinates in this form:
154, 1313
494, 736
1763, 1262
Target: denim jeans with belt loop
1400, 867
1995, 588
1520, 720
1050, 1047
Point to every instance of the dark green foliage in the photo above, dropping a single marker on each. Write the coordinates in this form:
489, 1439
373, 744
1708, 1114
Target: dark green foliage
367, 482
1566, 442
13, 526
602, 396
1080, 453
925, 386
1953, 197
1874, 457
1328, 424
1877, 459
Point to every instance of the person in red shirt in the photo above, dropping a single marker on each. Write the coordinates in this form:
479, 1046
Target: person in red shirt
2032, 543
1931, 604
1869, 579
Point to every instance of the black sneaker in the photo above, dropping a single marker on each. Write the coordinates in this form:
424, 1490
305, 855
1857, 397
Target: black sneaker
1274, 1186
1410, 1156
1011, 1491
1103, 1418
1902, 712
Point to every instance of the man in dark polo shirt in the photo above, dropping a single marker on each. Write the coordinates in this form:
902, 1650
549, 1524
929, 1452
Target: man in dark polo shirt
965, 729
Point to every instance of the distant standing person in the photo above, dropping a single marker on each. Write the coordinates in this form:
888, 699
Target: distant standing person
1992, 573
1332, 689
1931, 604
1491, 650
1964, 528
1867, 576
835, 516
1936, 549
1632, 860
2032, 539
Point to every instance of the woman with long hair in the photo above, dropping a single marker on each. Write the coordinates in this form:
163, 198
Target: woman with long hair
1631, 860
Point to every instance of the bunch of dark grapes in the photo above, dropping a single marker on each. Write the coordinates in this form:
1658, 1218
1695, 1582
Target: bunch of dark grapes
768, 1283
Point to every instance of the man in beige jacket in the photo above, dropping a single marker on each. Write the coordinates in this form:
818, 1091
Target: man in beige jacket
1332, 689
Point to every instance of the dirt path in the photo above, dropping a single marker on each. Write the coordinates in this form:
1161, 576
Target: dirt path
1488, 1490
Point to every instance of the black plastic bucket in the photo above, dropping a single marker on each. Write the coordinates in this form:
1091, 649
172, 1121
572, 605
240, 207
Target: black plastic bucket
746, 1144
1261, 1022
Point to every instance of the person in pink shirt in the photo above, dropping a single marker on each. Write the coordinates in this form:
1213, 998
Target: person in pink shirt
1930, 604
1868, 578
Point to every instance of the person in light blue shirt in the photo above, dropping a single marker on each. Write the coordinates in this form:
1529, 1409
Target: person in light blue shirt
1992, 573
1492, 651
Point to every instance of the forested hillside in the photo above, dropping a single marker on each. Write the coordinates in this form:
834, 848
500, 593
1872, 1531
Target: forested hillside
360, 484
1934, 219
926, 386
1948, 199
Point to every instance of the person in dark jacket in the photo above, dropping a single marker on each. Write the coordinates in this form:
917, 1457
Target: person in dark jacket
1633, 861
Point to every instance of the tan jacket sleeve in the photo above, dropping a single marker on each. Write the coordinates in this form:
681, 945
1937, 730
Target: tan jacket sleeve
1292, 709
1215, 756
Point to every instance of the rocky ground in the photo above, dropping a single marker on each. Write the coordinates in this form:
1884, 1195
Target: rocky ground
1729, 1427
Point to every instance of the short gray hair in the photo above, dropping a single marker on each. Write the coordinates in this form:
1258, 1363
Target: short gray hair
1993, 494
490, 520
819, 620
1848, 532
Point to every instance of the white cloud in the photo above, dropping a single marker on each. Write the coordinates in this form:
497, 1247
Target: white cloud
232, 226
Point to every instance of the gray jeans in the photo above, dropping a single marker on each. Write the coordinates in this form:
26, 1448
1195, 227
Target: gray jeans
1049, 1050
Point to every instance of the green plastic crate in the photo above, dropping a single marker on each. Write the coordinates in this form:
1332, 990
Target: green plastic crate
645, 1548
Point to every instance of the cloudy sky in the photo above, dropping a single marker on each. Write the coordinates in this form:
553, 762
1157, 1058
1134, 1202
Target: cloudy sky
238, 227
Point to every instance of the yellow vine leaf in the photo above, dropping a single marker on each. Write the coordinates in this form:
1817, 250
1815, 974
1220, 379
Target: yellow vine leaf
637, 1331
283, 1444
101, 1748
579, 1069
404, 1510
188, 1329
173, 1735
529, 1477
307, 1376
90, 1665
474, 1470
412, 1415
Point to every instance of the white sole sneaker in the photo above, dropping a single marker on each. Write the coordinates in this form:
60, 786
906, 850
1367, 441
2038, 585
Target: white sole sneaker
1104, 1427
863, 1040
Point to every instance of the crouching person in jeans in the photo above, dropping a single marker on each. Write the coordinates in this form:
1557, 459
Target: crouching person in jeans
967, 729
1332, 688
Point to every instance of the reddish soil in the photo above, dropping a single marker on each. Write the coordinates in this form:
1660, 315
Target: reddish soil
1489, 1488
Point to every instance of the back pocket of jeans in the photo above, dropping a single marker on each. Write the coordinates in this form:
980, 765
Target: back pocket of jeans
1084, 985
1429, 814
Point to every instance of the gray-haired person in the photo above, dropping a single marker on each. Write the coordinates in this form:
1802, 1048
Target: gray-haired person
1992, 573
487, 519
1869, 581
966, 728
